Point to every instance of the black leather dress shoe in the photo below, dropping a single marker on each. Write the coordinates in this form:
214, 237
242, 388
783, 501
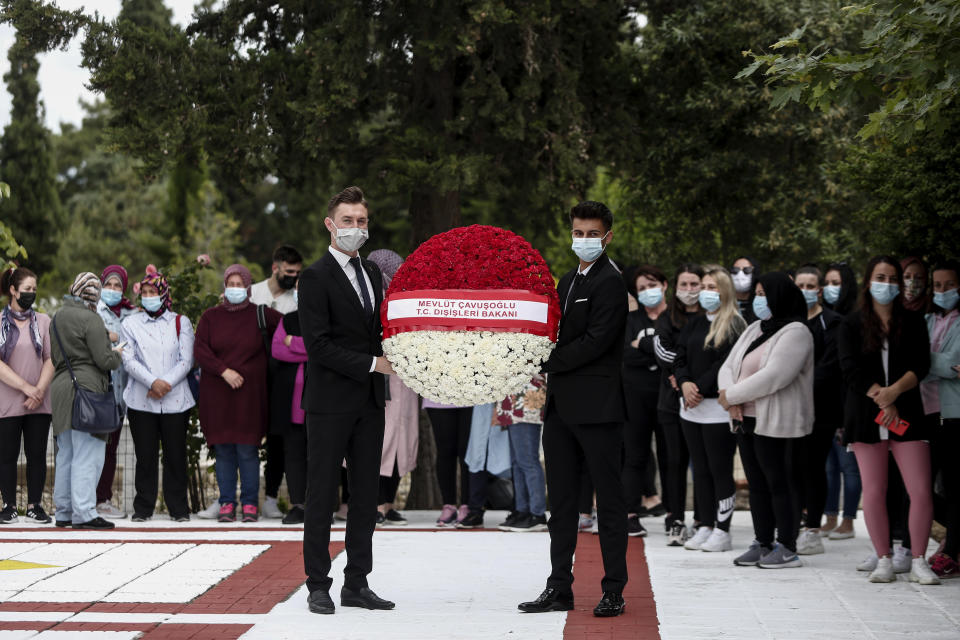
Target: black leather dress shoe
610, 606
550, 600
364, 598
320, 601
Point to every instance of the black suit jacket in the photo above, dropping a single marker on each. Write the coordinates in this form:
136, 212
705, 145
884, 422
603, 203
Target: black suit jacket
584, 383
339, 339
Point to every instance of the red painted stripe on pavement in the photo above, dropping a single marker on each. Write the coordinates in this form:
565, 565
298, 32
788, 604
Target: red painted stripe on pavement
176, 631
639, 619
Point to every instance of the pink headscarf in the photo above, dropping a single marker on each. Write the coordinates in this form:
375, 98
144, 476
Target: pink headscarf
246, 276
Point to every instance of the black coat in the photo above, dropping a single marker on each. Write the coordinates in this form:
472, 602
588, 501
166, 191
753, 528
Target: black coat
862, 369
696, 363
641, 371
339, 339
827, 378
584, 381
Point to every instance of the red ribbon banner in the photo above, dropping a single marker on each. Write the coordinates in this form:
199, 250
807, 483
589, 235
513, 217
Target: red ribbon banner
510, 310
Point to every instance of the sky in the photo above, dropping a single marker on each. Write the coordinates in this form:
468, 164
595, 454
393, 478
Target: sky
61, 78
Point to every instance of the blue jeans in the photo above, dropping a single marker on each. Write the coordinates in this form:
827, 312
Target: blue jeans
79, 463
244, 458
529, 485
842, 462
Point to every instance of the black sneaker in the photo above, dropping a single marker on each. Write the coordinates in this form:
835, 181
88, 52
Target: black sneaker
634, 528
139, 517
474, 520
185, 518
294, 516
9, 515
381, 519
511, 519
37, 515
63, 524
96, 523
395, 518
529, 523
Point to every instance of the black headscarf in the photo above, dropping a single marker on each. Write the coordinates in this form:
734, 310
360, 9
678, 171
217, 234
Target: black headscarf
786, 303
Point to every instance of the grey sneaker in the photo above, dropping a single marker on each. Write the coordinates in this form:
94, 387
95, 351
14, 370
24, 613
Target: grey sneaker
780, 558
752, 556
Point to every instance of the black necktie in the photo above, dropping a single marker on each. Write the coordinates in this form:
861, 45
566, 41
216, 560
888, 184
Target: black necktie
367, 304
577, 281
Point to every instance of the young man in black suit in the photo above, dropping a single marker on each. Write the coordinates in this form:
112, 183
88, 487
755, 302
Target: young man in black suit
343, 396
585, 413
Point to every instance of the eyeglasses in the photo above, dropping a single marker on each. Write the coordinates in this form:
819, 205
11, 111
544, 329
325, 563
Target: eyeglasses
746, 270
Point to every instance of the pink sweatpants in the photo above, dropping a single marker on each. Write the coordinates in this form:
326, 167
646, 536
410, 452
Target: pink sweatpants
913, 460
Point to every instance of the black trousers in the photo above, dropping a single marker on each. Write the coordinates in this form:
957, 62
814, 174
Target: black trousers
568, 449
34, 430
711, 449
451, 432
148, 431
389, 485
295, 462
642, 424
945, 444
674, 460
331, 437
810, 472
275, 466
767, 463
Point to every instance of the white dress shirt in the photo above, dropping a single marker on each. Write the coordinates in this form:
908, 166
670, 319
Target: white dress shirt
343, 260
260, 293
153, 352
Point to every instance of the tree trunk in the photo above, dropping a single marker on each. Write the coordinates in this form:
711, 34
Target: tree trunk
432, 212
424, 488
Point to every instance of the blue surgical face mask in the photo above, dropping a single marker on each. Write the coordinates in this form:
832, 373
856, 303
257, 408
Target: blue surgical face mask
710, 300
235, 295
588, 249
151, 303
946, 300
884, 292
296, 297
110, 297
761, 308
650, 297
810, 295
831, 293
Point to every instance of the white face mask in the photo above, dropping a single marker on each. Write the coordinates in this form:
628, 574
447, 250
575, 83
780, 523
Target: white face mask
588, 249
742, 282
351, 238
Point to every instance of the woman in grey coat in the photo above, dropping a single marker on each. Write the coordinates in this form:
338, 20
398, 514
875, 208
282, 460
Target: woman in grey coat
79, 455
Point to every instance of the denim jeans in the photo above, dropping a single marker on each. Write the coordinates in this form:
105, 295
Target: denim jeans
244, 458
840, 461
79, 463
529, 485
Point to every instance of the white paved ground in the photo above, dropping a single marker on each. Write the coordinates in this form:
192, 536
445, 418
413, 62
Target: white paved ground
466, 585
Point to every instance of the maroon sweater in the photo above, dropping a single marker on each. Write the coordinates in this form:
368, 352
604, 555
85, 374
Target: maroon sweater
231, 340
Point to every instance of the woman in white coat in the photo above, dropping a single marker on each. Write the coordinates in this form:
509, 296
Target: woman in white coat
766, 383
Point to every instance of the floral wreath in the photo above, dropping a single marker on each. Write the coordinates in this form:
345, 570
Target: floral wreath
470, 316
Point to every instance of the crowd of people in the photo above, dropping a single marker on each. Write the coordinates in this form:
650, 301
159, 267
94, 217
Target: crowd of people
825, 388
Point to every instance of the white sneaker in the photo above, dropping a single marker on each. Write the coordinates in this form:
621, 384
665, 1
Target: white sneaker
719, 540
210, 513
270, 508
921, 572
884, 571
869, 563
595, 527
701, 536
107, 510
901, 559
809, 543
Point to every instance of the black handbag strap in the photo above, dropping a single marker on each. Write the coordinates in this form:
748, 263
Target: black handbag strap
56, 334
262, 326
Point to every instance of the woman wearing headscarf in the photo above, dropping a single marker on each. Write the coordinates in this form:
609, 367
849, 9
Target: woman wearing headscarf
916, 286
158, 357
401, 436
25, 375
232, 350
78, 335
766, 384
113, 307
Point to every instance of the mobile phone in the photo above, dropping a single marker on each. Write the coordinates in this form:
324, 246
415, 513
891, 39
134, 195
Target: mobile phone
121, 345
898, 427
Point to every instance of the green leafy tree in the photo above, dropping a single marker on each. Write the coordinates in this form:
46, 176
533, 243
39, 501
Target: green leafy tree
903, 70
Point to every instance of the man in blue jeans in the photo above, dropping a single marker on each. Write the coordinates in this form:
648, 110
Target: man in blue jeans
522, 415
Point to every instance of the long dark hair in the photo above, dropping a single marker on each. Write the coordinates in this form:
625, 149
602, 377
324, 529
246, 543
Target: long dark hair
847, 301
873, 332
678, 316
14, 277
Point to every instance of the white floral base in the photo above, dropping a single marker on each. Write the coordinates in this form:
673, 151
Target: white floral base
466, 367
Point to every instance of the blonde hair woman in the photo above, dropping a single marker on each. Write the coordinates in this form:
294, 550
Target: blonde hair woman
702, 346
